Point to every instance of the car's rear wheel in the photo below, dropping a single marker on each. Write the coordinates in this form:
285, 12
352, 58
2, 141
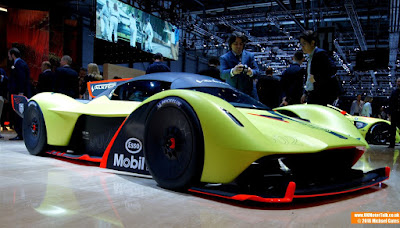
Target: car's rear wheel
174, 145
379, 134
34, 129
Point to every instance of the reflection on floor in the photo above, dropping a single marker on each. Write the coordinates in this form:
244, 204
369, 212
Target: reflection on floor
52, 192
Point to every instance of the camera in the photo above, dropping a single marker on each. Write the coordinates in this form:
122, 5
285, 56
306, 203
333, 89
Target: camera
245, 68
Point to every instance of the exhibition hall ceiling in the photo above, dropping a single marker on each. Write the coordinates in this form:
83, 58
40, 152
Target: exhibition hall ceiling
272, 26
276, 22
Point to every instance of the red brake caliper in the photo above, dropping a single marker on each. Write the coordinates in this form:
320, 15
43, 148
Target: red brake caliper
172, 140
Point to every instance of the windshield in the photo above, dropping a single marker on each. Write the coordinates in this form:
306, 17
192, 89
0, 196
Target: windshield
234, 97
139, 90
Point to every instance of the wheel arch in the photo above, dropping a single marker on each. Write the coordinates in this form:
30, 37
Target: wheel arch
371, 127
174, 144
229, 148
59, 125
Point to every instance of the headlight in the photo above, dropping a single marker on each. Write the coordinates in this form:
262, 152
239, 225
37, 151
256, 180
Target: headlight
359, 124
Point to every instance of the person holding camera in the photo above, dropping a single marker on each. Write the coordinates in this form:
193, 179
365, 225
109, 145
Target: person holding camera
238, 66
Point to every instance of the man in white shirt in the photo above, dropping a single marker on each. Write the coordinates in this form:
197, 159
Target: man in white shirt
133, 28
356, 106
114, 20
105, 21
148, 35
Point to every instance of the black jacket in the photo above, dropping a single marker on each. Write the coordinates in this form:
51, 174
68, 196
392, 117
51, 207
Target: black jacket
269, 91
292, 83
89, 78
3, 84
67, 81
20, 79
212, 71
157, 67
323, 67
46, 82
394, 102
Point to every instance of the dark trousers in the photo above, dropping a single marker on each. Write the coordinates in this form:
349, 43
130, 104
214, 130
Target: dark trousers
17, 124
320, 99
395, 123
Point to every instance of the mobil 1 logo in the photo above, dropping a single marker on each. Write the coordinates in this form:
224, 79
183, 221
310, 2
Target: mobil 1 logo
133, 161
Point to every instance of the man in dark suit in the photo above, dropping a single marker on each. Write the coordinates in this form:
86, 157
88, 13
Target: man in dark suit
19, 84
238, 66
337, 103
212, 70
292, 80
269, 89
321, 83
157, 65
67, 80
46, 78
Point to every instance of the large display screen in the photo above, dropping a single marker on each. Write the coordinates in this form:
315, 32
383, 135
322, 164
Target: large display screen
117, 21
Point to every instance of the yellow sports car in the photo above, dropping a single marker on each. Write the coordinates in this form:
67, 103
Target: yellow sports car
374, 130
195, 133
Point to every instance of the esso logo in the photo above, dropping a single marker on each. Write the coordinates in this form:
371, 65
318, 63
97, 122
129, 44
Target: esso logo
133, 145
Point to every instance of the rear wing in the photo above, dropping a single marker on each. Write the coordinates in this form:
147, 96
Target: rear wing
97, 87
19, 104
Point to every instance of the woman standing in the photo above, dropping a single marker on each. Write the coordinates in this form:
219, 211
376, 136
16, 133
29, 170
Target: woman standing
367, 109
93, 75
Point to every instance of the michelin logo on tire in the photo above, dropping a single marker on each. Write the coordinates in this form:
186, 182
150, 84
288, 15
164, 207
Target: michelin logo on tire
168, 101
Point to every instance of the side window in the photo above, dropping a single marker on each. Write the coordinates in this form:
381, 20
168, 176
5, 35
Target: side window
139, 90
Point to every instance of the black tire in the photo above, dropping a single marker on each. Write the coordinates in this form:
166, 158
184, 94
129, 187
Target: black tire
34, 129
379, 134
174, 145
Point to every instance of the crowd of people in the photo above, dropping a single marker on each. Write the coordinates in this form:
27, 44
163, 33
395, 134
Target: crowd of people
61, 79
317, 84
362, 108
314, 84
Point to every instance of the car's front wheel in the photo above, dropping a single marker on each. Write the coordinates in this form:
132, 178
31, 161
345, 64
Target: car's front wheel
34, 129
174, 145
379, 134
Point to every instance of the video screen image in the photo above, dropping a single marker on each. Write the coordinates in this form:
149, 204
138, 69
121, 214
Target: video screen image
117, 21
